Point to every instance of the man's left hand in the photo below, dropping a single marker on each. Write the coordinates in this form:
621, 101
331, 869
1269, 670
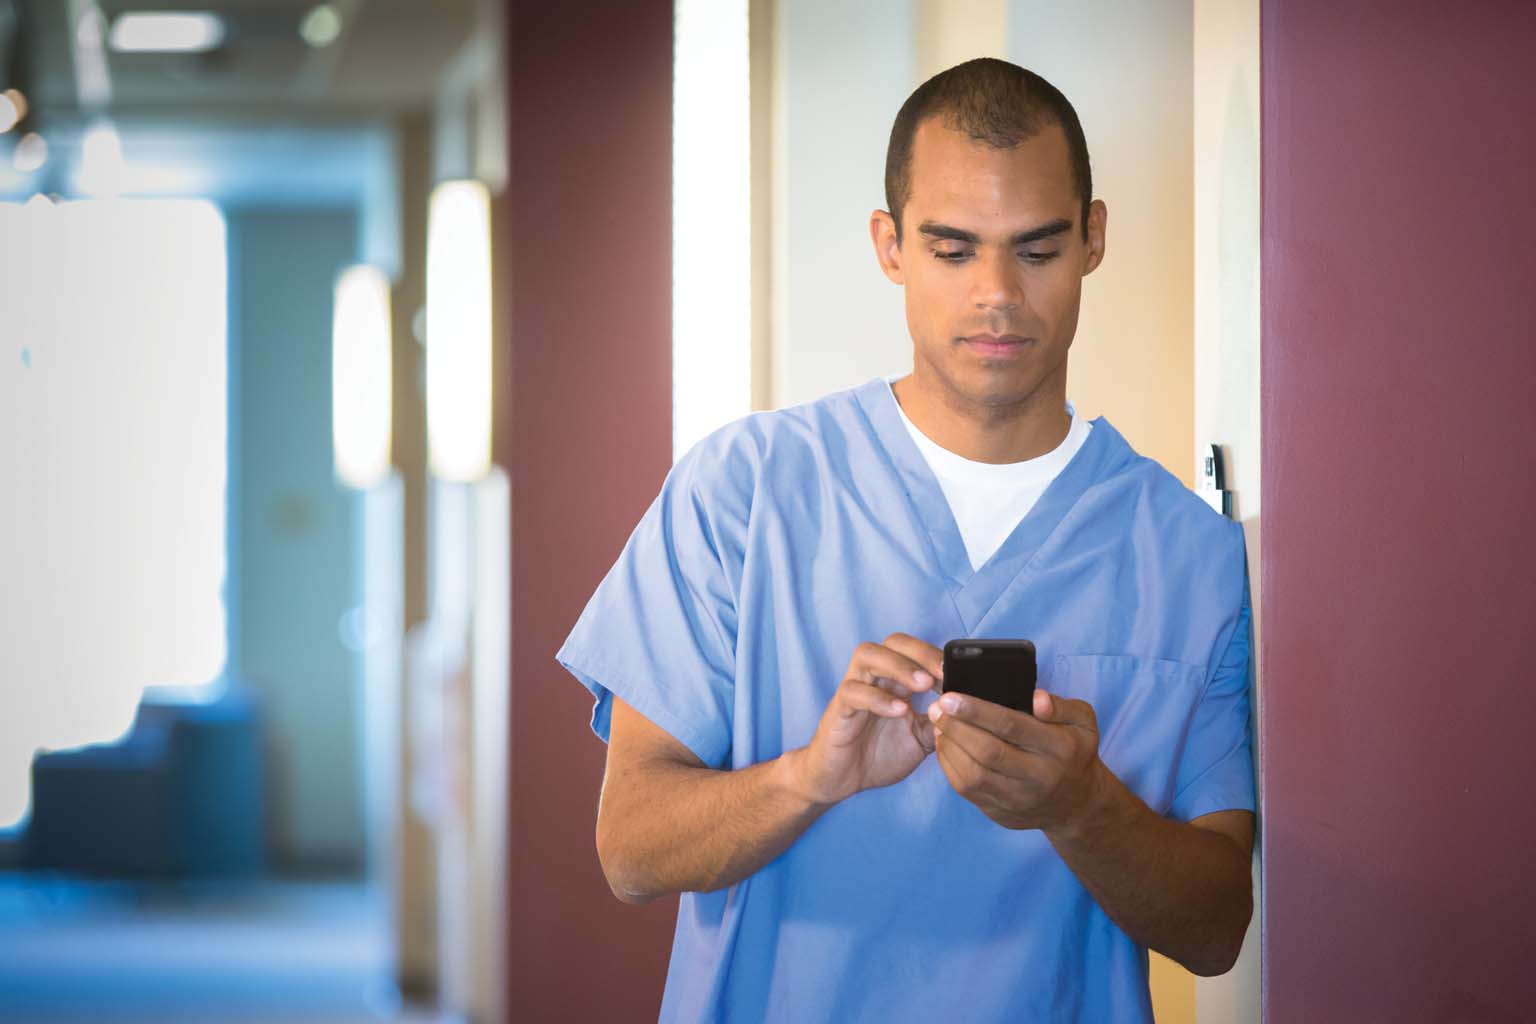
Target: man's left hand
1022, 771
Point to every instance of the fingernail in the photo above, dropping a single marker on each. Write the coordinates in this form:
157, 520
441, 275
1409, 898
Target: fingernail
950, 702
897, 705
934, 712
922, 678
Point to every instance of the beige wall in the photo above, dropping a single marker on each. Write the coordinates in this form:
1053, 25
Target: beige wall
1127, 69
841, 71
1226, 122
950, 32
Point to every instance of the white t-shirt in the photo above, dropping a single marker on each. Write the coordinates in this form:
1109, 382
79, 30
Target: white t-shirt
988, 500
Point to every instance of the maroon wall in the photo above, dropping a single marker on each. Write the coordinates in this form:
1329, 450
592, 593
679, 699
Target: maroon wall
1399, 562
584, 429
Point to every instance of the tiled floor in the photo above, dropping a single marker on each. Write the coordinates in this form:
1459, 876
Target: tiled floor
290, 953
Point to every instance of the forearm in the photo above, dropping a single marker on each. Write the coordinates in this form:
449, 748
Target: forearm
680, 828
1182, 890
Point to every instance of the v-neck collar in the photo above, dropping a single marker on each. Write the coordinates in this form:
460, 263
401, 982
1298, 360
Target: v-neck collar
975, 591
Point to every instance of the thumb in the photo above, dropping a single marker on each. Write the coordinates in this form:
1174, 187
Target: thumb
924, 732
1045, 706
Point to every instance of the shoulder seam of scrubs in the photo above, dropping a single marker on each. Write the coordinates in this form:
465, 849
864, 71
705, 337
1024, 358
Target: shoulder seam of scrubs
1244, 603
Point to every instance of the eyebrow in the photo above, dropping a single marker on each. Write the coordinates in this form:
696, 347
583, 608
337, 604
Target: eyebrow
935, 230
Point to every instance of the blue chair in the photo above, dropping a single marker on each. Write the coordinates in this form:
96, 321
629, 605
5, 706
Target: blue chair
180, 796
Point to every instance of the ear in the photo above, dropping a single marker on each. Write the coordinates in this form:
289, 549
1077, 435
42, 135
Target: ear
882, 232
1098, 218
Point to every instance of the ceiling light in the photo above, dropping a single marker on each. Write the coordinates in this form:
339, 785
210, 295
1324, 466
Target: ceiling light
93, 79
31, 153
166, 32
360, 377
13, 107
459, 331
101, 161
320, 26
88, 30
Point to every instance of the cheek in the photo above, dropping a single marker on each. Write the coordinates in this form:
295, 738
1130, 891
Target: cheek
932, 299
1056, 299
936, 293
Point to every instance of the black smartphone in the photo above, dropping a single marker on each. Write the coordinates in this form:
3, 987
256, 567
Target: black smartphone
1001, 671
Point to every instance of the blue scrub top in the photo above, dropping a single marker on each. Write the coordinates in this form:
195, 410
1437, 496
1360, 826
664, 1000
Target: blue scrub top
781, 542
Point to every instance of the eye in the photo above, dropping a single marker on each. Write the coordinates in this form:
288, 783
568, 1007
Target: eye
1038, 257
951, 255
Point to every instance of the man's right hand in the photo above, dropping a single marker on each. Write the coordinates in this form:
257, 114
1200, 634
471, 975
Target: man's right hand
869, 736
667, 823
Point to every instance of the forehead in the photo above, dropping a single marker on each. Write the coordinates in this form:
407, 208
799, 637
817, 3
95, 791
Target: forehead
954, 177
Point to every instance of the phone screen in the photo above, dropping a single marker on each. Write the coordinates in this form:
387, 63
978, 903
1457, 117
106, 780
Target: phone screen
1000, 671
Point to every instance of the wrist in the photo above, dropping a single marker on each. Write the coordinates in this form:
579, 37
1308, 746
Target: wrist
1100, 807
794, 780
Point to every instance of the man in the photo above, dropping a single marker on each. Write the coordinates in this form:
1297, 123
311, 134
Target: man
848, 847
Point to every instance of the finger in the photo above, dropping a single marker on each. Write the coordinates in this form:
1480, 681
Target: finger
854, 696
872, 661
1043, 706
1020, 729
925, 654
922, 731
990, 754
892, 687
971, 780
1065, 711
948, 756
968, 778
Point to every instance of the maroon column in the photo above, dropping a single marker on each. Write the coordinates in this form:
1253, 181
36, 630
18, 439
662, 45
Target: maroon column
1399, 562
584, 429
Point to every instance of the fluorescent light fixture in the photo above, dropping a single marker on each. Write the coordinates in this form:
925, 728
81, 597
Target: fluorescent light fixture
166, 32
102, 167
459, 331
360, 377
93, 80
31, 153
320, 26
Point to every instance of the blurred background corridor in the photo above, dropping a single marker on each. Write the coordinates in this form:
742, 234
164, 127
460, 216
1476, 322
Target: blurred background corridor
214, 273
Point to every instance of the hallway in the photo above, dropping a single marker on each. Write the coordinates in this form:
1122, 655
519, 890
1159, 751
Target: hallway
76, 950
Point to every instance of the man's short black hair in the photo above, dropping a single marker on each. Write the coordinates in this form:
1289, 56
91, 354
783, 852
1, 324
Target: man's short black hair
994, 102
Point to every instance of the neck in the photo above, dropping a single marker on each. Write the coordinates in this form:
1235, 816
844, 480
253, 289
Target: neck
1026, 429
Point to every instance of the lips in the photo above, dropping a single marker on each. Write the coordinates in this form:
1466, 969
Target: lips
997, 344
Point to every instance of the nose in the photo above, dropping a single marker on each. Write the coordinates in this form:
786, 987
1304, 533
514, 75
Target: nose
999, 286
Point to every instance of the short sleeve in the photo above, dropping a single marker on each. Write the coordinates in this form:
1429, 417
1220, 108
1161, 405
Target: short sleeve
1216, 770
660, 631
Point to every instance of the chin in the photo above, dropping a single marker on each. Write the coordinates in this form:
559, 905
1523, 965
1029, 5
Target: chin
992, 384
1000, 389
